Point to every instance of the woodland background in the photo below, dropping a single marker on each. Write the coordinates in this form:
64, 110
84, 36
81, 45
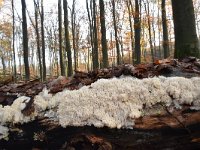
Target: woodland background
41, 40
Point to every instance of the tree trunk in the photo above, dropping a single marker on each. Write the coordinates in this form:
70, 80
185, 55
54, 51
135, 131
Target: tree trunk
129, 4
62, 66
73, 23
36, 7
103, 34
43, 42
25, 40
13, 44
153, 30
137, 27
77, 39
165, 30
159, 29
90, 30
4, 65
67, 40
146, 6
186, 41
116, 33
95, 56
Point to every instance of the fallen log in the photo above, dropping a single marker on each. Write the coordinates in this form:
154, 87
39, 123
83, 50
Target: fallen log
158, 127
151, 132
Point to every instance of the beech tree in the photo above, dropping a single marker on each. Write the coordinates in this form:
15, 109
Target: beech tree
43, 42
73, 24
147, 10
67, 40
130, 10
36, 7
103, 34
116, 32
165, 30
186, 41
62, 65
137, 27
13, 42
25, 40
95, 55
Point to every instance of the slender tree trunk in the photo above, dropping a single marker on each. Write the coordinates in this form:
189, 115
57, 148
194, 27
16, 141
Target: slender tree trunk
129, 4
13, 42
197, 25
67, 40
90, 26
88, 62
4, 65
171, 38
98, 36
95, 57
154, 31
36, 7
73, 24
116, 33
149, 29
122, 48
186, 41
137, 27
25, 40
90, 12
103, 34
62, 66
43, 42
165, 30
159, 29
77, 39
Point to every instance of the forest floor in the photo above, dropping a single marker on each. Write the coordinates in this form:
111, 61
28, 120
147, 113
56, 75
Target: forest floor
177, 130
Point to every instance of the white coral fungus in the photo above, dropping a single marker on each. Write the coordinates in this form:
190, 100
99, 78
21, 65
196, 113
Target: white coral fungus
108, 102
3, 132
116, 102
13, 113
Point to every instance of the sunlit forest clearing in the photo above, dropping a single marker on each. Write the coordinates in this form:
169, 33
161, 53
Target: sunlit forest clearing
99, 74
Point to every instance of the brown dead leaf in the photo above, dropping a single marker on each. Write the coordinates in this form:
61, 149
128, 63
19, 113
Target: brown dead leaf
196, 140
163, 61
94, 139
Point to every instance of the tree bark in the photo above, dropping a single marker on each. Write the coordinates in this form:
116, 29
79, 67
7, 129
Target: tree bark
62, 65
116, 33
43, 42
103, 34
13, 41
159, 29
25, 40
165, 30
67, 40
95, 56
90, 27
4, 65
130, 8
137, 28
146, 6
36, 7
186, 41
73, 23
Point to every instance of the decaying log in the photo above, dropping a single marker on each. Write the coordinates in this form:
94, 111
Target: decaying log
150, 132
179, 129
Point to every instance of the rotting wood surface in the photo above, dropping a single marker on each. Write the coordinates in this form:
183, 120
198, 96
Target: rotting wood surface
177, 130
